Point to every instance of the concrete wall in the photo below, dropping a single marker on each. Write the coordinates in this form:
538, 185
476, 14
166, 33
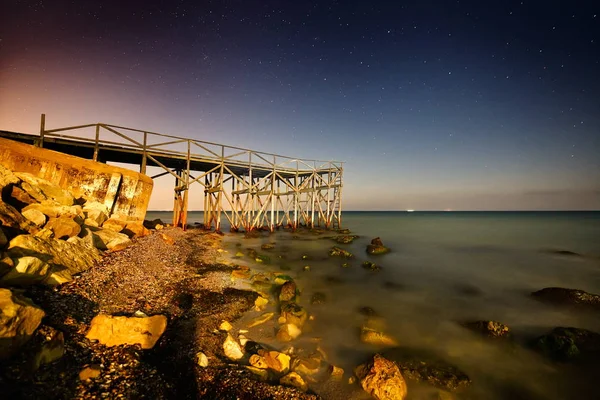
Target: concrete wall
123, 191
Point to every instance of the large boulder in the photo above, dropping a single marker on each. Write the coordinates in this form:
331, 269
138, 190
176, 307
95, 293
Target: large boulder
114, 224
46, 260
424, 367
95, 213
376, 247
569, 344
136, 229
382, 379
11, 219
19, 318
568, 297
54, 210
35, 216
104, 239
50, 191
118, 330
490, 329
63, 227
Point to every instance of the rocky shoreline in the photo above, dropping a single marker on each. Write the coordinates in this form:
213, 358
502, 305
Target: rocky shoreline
93, 306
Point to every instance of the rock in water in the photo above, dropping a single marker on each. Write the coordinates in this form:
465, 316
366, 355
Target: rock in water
382, 379
232, 349
376, 247
114, 331
276, 361
49, 261
261, 319
569, 344
337, 252
491, 329
19, 318
288, 291
568, 297
288, 332
292, 313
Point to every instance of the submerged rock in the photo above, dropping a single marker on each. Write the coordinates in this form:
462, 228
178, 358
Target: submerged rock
294, 380
117, 330
376, 247
318, 298
371, 266
569, 344
345, 239
337, 252
491, 329
424, 367
268, 246
572, 297
19, 318
382, 379
276, 361
292, 313
261, 319
288, 332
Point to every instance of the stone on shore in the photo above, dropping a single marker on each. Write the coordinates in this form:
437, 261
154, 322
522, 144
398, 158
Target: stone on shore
490, 329
294, 380
19, 318
90, 372
51, 349
201, 359
232, 348
46, 260
382, 379
569, 344
288, 332
225, 326
568, 297
106, 239
276, 361
63, 227
114, 224
35, 216
260, 303
376, 247
136, 229
118, 330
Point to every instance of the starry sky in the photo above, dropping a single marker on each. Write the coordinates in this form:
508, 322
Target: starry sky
433, 105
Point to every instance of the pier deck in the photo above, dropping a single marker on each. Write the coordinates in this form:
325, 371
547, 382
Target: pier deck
251, 189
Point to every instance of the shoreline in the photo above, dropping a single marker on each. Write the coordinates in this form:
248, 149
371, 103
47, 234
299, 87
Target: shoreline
184, 281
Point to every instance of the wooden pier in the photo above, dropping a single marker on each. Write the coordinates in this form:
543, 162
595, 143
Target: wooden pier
251, 189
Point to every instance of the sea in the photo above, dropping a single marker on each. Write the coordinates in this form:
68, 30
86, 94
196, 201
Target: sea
445, 268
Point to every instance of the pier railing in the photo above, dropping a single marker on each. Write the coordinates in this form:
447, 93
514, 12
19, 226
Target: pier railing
267, 190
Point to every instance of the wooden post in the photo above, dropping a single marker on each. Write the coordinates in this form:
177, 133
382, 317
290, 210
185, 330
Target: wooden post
220, 193
42, 130
144, 155
97, 143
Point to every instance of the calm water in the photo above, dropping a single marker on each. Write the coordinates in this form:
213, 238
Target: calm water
447, 267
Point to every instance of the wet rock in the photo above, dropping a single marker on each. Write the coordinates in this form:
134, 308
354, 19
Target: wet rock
35, 216
288, 291
114, 331
376, 338
280, 279
292, 313
49, 261
51, 350
337, 252
376, 247
258, 361
276, 361
261, 258
371, 266
491, 329
261, 319
252, 253
345, 239
19, 318
232, 348
344, 231
424, 367
568, 297
288, 332
63, 227
90, 372
294, 380
306, 268
268, 246
308, 365
260, 303
318, 298
382, 379
569, 344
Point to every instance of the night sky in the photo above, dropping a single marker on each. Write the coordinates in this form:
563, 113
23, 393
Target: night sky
463, 105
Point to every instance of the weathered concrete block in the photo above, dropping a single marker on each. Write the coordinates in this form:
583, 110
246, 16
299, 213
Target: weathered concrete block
126, 193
